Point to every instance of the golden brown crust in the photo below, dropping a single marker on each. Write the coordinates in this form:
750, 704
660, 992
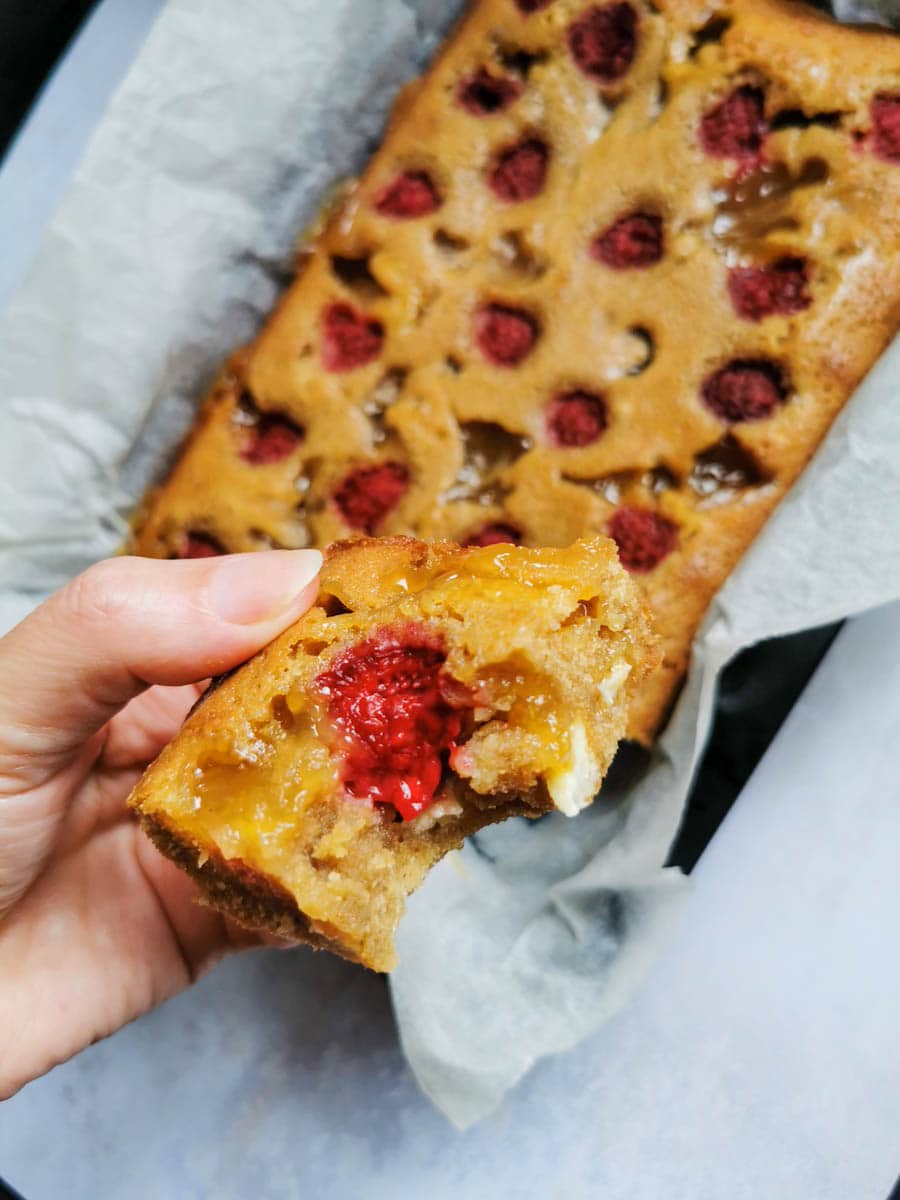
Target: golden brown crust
472, 435
257, 901
248, 896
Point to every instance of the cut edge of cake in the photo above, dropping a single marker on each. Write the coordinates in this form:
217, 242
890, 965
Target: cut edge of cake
282, 803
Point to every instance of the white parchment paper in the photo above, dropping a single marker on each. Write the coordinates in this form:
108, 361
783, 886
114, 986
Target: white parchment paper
170, 246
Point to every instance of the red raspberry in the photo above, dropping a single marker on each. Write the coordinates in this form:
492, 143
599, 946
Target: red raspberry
396, 715
576, 419
408, 196
885, 112
745, 390
644, 537
484, 94
199, 545
270, 440
603, 41
495, 534
779, 287
520, 171
635, 240
736, 126
532, 6
349, 338
368, 494
505, 335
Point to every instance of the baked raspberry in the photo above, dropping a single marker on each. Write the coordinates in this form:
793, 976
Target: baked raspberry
532, 6
885, 113
576, 419
644, 537
735, 127
520, 171
495, 534
394, 716
199, 545
745, 390
780, 287
369, 493
635, 240
349, 338
603, 40
505, 335
270, 440
483, 94
410, 195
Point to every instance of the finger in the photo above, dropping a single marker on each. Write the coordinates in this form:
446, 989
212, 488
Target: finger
127, 623
132, 738
146, 724
110, 933
204, 935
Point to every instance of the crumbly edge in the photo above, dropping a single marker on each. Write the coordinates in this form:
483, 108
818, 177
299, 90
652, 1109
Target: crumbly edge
257, 902
255, 899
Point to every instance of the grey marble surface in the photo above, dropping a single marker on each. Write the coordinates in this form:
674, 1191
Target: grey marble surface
758, 1059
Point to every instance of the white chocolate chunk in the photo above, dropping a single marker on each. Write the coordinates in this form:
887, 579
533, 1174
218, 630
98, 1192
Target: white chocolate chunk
610, 685
434, 813
573, 788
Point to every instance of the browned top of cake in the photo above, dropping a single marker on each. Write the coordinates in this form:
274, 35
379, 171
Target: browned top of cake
615, 267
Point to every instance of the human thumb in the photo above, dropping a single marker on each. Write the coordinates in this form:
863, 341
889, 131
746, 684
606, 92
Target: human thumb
125, 624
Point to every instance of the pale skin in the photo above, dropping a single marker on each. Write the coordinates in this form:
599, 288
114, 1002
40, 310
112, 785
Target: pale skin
96, 927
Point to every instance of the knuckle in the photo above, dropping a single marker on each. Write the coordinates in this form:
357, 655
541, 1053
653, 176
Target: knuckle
97, 594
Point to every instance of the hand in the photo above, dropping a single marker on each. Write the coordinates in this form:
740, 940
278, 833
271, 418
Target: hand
96, 927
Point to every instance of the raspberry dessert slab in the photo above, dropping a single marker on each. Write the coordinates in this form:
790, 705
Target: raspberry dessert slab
431, 691
615, 268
